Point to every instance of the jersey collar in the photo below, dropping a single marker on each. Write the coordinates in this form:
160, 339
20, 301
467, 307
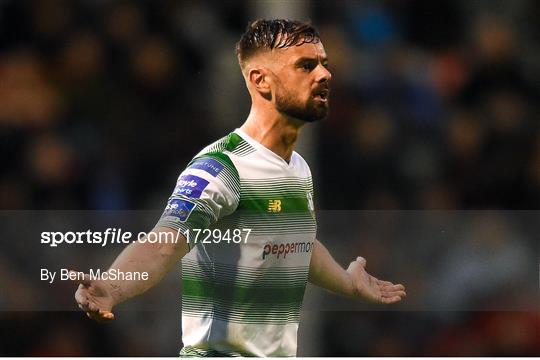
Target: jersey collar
264, 149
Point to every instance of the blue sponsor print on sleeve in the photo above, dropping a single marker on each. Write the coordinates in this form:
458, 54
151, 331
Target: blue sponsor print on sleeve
178, 210
190, 186
211, 166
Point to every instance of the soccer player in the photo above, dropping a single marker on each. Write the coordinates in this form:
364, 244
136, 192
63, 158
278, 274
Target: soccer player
243, 284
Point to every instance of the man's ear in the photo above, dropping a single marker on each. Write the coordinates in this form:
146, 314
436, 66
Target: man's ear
260, 80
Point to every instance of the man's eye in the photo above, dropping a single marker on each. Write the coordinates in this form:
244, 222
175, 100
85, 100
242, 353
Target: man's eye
307, 67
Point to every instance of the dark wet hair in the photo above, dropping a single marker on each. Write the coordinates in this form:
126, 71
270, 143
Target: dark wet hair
264, 34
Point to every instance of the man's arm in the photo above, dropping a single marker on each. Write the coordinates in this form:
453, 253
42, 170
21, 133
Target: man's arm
98, 297
325, 272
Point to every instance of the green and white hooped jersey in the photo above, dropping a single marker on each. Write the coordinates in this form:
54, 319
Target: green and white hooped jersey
244, 279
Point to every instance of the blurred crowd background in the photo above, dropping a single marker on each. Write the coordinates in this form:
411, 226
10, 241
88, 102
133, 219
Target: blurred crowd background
434, 106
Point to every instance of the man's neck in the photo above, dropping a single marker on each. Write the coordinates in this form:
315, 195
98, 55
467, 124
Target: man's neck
274, 131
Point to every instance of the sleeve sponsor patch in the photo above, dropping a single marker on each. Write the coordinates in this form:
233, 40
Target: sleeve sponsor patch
190, 186
178, 210
211, 166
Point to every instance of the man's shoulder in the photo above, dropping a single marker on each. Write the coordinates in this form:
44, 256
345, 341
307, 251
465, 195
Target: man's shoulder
300, 162
230, 144
223, 153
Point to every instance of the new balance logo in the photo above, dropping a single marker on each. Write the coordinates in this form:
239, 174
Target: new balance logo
274, 206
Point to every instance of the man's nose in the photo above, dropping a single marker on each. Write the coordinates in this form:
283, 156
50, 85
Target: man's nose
324, 74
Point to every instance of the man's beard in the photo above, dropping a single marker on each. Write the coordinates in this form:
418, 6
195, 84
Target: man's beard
308, 112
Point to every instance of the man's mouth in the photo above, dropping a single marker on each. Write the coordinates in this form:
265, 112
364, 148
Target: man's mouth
321, 95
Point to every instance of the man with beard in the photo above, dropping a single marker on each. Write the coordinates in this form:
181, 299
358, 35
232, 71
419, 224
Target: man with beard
244, 211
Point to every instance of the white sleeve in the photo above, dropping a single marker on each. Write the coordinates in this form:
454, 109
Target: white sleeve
207, 190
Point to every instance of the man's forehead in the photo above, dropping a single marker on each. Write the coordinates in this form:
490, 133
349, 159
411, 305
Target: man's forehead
307, 50
289, 55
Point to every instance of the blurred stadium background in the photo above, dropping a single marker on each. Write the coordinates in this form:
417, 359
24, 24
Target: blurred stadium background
434, 107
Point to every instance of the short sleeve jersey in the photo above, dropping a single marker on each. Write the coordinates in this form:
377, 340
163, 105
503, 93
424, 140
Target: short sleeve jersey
249, 219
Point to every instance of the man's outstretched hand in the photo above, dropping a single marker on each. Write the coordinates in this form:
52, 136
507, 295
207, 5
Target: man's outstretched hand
94, 298
372, 289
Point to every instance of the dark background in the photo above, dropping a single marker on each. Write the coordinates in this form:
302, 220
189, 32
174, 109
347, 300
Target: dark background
434, 107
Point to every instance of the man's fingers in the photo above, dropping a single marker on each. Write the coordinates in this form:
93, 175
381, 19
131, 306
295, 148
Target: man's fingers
84, 307
84, 281
362, 261
93, 311
390, 300
79, 297
106, 314
400, 287
397, 287
388, 285
86, 302
389, 294
93, 307
100, 316
393, 290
